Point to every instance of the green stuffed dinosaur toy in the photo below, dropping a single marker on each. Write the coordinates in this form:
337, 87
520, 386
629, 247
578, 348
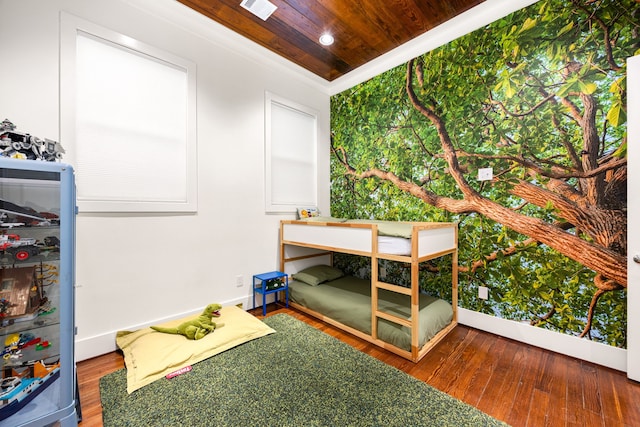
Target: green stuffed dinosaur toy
196, 328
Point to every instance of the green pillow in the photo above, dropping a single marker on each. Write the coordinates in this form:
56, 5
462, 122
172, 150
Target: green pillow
318, 274
323, 219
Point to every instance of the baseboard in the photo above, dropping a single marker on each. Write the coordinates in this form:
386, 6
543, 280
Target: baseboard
580, 348
97, 345
605, 355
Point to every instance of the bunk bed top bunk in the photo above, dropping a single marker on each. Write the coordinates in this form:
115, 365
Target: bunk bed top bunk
394, 316
373, 237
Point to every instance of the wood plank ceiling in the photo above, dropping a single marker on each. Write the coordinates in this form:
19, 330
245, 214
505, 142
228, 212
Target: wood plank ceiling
362, 29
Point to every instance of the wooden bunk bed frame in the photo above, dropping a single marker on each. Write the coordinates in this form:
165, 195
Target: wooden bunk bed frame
429, 240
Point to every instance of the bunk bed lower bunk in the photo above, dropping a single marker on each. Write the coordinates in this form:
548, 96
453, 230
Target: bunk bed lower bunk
347, 300
399, 319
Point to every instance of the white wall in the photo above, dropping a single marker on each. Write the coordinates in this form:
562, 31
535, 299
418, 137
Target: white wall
135, 270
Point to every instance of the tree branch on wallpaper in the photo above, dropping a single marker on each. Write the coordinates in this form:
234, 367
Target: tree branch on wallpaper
497, 255
540, 97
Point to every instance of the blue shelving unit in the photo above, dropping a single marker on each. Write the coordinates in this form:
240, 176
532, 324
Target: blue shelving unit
270, 283
37, 260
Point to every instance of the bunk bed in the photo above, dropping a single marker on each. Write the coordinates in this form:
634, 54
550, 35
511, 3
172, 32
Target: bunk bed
397, 318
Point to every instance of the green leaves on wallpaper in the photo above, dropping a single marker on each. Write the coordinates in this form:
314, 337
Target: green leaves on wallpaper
539, 96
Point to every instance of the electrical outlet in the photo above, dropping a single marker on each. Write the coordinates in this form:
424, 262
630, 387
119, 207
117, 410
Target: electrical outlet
483, 292
239, 281
383, 272
485, 174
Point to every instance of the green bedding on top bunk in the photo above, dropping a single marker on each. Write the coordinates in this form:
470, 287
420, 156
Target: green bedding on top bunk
348, 301
385, 228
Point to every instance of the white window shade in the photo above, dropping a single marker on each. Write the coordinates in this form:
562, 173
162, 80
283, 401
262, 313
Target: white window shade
133, 139
291, 155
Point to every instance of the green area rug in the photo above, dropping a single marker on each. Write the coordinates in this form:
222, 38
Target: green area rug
298, 376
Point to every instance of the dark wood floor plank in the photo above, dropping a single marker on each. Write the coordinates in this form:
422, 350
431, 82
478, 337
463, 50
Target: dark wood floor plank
575, 397
487, 365
523, 399
501, 373
620, 398
471, 358
459, 355
520, 384
431, 363
557, 410
437, 379
543, 377
591, 393
612, 412
538, 412
499, 395
89, 374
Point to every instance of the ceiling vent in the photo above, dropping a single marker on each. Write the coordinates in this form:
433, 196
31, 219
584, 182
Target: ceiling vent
261, 8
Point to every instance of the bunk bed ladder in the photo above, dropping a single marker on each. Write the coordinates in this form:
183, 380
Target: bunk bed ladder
411, 323
374, 282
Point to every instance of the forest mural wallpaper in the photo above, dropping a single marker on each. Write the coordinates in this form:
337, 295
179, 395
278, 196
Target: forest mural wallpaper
538, 96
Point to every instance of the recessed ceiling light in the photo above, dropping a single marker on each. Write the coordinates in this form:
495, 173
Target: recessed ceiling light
326, 39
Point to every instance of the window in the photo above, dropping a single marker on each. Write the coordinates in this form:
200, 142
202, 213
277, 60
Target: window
290, 155
128, 122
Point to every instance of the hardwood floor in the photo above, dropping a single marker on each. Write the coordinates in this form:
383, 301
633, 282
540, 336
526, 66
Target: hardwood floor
516, 383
